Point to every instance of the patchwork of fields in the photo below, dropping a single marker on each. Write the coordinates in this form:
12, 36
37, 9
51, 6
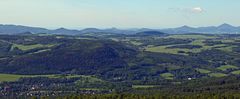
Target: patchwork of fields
184, 51
116, 63
198, 43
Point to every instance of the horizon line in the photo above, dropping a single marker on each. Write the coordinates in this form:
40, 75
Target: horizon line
126, 28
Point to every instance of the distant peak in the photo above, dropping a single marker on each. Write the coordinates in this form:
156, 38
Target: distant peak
61, 28
91, 29
185, 26
113, 28
225, 25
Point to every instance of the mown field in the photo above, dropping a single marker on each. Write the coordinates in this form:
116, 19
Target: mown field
15, 77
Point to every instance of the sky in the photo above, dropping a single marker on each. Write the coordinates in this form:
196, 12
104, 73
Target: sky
119, 13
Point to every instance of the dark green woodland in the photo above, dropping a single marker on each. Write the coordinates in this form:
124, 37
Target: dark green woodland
145, 65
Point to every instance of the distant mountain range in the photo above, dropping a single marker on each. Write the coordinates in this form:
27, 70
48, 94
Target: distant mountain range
224, 28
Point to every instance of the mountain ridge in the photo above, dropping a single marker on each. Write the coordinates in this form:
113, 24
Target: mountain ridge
221, 29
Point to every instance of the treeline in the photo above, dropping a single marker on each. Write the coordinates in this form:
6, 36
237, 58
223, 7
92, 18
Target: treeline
156, 96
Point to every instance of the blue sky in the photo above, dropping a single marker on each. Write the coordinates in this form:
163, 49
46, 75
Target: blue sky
119, 13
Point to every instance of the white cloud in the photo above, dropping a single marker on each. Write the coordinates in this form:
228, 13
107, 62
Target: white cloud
197, 10
188, 10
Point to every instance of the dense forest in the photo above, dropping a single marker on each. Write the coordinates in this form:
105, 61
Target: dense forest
142, 65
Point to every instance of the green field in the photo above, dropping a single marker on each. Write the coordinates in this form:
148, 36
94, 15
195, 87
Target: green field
203, 71
173, 67
217, 75
168, 76
236, 72
143, 86
226, 67
136, 43
10, 77
89, 79
14, 77
29, 47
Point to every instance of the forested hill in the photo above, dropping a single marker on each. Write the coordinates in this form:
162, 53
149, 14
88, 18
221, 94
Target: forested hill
49, 55
113, 63
153, 56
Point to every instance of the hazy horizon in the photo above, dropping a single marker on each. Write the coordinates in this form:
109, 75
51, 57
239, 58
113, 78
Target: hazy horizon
78, 14
80, 28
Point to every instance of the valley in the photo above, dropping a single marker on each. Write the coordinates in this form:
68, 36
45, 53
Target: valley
134, 63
